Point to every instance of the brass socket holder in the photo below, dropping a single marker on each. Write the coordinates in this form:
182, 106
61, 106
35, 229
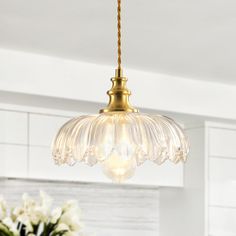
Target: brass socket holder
119, 95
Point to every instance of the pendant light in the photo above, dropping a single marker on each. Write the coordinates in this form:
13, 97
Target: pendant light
120, 138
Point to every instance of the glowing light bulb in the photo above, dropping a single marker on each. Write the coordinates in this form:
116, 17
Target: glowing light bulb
118, 168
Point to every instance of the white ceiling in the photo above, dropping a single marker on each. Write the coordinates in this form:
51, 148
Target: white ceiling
190, 38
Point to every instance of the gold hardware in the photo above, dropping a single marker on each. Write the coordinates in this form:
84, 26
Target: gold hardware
119, 95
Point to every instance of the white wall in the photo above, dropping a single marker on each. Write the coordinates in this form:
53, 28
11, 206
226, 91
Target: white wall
56, 77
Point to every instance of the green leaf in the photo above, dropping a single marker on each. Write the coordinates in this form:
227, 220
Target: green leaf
4, 230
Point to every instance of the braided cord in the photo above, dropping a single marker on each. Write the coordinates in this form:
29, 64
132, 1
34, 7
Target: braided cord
119, 32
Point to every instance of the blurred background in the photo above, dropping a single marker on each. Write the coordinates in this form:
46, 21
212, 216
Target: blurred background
56, 59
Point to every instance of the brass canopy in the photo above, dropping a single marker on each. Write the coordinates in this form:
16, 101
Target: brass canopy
119, 95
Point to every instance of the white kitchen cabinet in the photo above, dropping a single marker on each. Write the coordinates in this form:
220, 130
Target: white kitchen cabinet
14, 161
222, 221
220, 179
41, 166
222, 142
13, 127
13, 143
207, 204
43, 128
167, 174
222, 182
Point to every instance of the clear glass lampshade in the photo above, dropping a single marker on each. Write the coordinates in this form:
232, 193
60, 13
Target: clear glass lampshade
120, 142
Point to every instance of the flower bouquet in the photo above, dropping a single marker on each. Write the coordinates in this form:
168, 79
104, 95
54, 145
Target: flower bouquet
34, 218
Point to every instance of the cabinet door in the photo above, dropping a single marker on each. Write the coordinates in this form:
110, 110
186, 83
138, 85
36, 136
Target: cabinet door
43, 128
222, 221
41, 166
222, 142
167, 174
13, 160
222, 186
13, 127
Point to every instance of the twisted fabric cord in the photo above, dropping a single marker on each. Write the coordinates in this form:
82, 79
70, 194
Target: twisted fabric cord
119, 32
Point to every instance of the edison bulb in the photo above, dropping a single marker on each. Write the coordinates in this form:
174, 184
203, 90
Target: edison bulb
118, 168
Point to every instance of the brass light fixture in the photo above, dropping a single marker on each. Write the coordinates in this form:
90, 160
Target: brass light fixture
120, 138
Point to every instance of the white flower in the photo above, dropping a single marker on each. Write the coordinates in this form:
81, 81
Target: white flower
8, 222
71, 216
62, 227
11, 225
36, 215
20, 214
3, 208
69, 205
28, 202
32, 212
25, 220
16, 213
46, 202
40, 212
71, 219
56, 214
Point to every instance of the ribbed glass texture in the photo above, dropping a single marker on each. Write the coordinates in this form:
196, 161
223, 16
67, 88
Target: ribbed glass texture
120, 142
